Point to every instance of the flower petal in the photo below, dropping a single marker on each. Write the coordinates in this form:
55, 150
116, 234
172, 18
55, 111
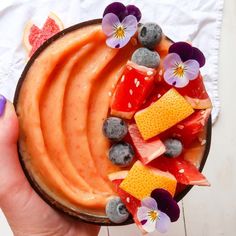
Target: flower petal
150, 203
117, 43
163, 222
130, 24
171, 60
174, 80
108, 22
118, 9
142, 213
149, 226
166, 203
133, 10
198, 56
191, 69
183, 49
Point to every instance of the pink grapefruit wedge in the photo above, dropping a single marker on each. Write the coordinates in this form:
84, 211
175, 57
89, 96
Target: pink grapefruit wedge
34, 37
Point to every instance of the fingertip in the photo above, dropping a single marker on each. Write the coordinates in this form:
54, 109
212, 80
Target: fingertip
9, 129
3, 101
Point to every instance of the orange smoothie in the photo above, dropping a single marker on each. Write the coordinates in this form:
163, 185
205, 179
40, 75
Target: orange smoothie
62, 105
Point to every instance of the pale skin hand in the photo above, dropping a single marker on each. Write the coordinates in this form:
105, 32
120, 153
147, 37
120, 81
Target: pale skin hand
26, 213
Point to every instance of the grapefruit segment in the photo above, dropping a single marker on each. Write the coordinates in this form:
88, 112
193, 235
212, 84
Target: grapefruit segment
195, 93
131, 91
141, 180
34, 37
184, 172
199, 104
119, 175
132, 204
189, 129
146, 150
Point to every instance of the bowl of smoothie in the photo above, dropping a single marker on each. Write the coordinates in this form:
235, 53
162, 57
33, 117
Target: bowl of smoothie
68, 90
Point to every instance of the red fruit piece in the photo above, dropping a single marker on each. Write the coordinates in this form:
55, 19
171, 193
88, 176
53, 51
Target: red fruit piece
193, 153
130, 202
185, 172
146, 150
34, 37
195, 89
188, 129
196, 94
132, 90
158, 90
40, 36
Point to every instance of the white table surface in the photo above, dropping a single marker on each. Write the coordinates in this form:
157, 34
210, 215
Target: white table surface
206, 211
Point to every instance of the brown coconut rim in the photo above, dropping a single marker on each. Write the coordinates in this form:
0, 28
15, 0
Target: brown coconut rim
88, 218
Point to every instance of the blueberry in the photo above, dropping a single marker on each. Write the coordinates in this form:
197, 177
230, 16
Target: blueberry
121, 154
173, 147
115, 128
145, 57
116, 211
150, 35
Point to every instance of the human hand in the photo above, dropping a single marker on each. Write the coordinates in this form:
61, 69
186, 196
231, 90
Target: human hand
26, 212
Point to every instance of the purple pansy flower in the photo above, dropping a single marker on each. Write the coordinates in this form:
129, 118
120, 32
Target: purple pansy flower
118, 32
177, 72
166, 203
187, 52
151, 217
122, 11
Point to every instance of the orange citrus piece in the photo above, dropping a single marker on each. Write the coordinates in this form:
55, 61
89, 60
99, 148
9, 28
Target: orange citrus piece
170, 109
142, 180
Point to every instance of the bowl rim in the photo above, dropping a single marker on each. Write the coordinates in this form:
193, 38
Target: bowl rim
85, 217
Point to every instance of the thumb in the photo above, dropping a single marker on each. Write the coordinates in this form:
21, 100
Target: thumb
15, 190
24, 209
10, 170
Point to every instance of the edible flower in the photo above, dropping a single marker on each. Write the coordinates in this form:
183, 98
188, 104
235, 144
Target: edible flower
120, 23
119, 33
151, 218
177, 72
122, 11
187, 52
166, 203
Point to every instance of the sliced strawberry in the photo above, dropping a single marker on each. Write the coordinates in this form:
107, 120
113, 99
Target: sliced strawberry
132, 90
145, 150
185, 172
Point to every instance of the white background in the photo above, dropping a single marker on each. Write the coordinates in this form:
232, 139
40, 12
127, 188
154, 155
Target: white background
208, 211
